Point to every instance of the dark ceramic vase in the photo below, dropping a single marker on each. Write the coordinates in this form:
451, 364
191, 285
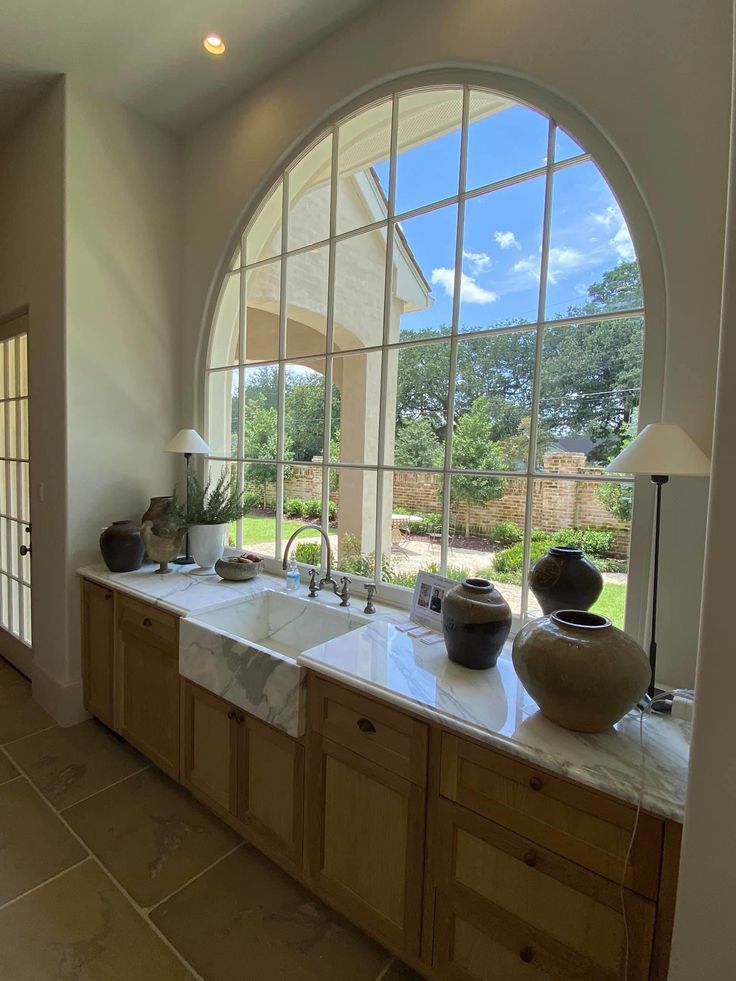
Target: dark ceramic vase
564, 579
476, 620
122, 547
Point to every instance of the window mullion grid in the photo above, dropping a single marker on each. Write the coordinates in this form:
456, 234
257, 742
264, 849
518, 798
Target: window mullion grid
387, 313
9, 619
241, 392
536, 381
446, 478
280, 413
330, 330
18, 507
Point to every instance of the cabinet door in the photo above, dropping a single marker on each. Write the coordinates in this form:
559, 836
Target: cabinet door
98, 645
148, 677
271, 787
209, 748
365, 841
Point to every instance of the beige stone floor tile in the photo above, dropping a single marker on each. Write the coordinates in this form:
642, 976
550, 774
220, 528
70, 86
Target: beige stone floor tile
9, 676
151, 834
34, 844
70, 764
246, 918
7, 770
81, 928
19, 714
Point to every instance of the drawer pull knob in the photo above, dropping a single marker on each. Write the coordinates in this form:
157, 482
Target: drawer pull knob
147, 622
108, 596
231, 715
365, 725
527, 954
531, 859
535, 783
239, 717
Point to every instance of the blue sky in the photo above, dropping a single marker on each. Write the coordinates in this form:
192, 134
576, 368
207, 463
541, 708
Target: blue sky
503, 229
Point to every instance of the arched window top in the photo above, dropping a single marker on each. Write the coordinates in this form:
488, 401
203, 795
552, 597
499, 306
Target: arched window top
434, 308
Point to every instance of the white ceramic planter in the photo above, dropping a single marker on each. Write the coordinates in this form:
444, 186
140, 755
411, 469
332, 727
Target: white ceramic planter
207, 544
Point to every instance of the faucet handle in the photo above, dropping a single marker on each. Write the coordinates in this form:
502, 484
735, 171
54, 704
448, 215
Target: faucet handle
344, 593
313, 587
370, 588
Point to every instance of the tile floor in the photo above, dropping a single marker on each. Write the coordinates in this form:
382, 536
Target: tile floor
109, 870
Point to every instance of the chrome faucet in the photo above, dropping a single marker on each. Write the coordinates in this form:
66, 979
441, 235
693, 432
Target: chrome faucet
344, 592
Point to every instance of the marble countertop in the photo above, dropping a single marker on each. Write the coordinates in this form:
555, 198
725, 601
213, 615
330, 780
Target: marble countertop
491, 706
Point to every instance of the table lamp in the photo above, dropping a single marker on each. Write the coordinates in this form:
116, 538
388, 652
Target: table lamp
187, 441
660, 451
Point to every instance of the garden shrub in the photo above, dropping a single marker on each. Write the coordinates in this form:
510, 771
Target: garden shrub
595, 542
356, 563
294, 507
333, 511
506, 533
312, 508
429, 524
310, 553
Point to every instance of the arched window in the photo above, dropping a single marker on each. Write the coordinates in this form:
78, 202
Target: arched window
430, 340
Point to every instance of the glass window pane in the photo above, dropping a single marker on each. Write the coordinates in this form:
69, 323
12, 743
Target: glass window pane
306, 298
304, 411
11, 368
263, 238
258, 527
428, 160
417, 400
360, 275
260, 412
424, 275
589, 395
23, 362
225, 336
223, 388
592, 264
502, 242
493, 396
356, 401
364, 146
504, 139
565, 146
411, 532
353, 493
262, 292
309, 196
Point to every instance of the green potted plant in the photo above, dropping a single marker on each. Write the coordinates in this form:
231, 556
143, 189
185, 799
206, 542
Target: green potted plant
210, 510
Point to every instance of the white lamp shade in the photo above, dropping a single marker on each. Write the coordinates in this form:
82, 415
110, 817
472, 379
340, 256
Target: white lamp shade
662, 449
188, 441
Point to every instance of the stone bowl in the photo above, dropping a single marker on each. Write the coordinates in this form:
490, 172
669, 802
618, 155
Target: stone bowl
235, 571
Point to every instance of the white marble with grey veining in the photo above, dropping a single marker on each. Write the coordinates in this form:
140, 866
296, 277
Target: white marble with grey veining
493, 706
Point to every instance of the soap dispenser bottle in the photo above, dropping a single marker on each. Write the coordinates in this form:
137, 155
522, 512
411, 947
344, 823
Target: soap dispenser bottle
293, 579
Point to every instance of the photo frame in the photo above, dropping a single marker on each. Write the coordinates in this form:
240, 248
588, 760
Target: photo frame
426, 604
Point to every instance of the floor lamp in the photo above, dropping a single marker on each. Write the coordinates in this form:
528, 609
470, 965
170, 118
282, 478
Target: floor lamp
188, 442
660, 451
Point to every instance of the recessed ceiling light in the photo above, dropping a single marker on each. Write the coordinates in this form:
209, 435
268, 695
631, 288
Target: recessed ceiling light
214, 44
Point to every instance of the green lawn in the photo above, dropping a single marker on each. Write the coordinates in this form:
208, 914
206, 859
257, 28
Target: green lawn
257, 530
612, 603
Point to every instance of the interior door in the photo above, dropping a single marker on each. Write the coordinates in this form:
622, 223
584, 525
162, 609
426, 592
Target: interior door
15, 512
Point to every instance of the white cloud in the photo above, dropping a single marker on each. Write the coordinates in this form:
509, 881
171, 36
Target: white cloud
507, 240
561, 262
470, 291
527, 267
480, 261
620, 240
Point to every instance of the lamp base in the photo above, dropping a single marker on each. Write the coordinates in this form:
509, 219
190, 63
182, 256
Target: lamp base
184, 560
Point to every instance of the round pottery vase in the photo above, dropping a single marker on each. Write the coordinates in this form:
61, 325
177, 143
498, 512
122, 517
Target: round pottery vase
159, 511
476, 620
583, 673
207, 545
564, 579
122, 547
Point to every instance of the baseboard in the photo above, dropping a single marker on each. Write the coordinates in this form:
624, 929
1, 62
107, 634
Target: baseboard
63, 702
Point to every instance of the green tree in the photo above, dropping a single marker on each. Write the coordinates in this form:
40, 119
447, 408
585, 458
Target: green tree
474, 449
261, 427
417, 444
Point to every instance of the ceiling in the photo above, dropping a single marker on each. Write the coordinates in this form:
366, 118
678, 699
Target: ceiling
148, 53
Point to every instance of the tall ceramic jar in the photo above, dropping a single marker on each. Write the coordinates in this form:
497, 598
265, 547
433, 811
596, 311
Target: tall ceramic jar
564, 579
476, 620
122, 547
583, 673
160, 510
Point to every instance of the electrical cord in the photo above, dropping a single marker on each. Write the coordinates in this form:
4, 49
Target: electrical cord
627, 859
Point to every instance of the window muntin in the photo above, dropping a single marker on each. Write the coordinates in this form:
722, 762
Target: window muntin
453, 269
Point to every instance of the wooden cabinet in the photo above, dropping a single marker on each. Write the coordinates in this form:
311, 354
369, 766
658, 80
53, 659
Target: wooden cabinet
249, 773
147, 682
365, 821
98, 651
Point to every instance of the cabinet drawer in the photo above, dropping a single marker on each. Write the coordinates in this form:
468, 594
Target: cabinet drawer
379, 733
147, 621
547, 916
589, 828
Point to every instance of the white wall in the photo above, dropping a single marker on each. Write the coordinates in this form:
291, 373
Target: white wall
122, 319
652, 77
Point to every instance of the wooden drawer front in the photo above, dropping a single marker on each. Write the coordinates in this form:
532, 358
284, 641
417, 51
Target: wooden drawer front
147, 621
386, 736
588, 828
548, 913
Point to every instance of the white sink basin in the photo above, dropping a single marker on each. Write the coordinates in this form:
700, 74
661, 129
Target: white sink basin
283, 623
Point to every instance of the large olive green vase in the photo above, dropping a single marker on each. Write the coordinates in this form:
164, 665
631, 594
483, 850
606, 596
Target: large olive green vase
476, 620
583, 673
